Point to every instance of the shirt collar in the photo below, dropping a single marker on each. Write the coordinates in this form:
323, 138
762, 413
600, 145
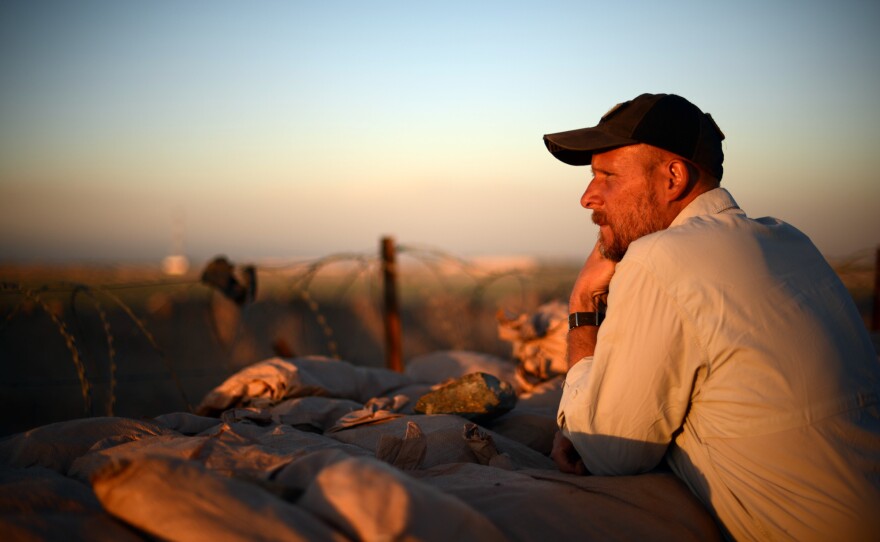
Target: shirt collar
712, 202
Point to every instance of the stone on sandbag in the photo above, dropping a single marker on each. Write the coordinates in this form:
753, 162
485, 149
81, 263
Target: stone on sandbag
476, 396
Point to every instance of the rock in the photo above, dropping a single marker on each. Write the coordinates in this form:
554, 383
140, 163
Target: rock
475, 396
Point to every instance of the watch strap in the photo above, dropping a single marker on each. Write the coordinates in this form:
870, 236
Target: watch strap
578, 319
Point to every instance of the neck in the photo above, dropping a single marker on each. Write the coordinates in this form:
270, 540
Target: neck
677, 206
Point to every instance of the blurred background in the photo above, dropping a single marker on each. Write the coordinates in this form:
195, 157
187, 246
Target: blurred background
138, 140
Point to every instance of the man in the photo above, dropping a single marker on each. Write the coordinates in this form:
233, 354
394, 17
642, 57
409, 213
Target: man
729, 347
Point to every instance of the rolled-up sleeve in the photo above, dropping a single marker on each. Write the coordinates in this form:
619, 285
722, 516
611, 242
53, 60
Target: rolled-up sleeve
574, 385
621, 407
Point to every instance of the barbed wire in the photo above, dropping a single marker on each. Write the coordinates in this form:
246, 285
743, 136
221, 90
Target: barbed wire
69, 339
108, 334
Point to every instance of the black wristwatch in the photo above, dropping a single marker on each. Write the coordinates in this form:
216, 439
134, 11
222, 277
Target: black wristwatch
578, 319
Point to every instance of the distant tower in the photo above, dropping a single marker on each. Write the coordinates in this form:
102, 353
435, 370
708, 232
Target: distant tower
176, 264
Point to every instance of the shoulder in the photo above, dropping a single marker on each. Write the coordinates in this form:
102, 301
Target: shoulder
713, 239
699, 239
721, 246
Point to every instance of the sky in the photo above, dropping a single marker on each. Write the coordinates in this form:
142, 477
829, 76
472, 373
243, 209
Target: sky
272, 130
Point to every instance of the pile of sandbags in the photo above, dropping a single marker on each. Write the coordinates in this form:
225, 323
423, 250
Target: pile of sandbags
318, 449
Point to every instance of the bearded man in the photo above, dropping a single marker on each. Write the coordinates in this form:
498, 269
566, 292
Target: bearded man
722, 344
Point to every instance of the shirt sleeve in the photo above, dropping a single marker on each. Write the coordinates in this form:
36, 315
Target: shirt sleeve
621, 407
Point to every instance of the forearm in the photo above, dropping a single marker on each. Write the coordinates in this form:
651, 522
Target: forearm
581, 343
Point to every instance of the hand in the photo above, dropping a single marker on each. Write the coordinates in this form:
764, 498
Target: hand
566, 457
592, 282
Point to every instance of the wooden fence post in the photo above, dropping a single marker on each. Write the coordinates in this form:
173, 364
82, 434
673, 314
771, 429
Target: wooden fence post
393, 350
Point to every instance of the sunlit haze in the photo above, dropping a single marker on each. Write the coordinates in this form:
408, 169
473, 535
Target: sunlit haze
290, 129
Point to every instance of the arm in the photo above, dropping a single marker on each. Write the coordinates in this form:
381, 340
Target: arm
621, 406
590, 289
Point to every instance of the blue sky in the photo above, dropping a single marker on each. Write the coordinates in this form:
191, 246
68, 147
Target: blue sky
284, 129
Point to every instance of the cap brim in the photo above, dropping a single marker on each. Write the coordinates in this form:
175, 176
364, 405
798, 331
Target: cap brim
576, 147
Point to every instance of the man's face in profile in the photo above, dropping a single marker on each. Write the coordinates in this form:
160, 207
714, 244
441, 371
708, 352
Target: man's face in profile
623, 197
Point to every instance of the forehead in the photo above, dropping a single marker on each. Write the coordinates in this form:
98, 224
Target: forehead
620, 158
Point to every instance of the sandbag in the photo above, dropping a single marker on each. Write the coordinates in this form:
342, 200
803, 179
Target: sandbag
251, 415
186, 423
369, 500
445, 443
535, 504
236, 450
266, 383
86, 466
376, 410
231, 454
181, 500
532, 427
229, 450
261, 385
405, 453
56, 446
297, 475
296, 443
317, 413
39, 504
412, 392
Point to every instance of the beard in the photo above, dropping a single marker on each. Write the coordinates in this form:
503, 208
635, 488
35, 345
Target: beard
627, 224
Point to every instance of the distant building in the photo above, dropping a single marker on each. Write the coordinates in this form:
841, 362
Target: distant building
176, 264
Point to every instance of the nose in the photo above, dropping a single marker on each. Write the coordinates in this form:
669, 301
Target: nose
590, 199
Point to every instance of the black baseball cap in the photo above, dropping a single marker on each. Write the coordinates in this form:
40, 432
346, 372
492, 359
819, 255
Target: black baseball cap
666, 121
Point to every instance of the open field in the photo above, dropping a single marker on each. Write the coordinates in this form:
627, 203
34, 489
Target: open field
127, 340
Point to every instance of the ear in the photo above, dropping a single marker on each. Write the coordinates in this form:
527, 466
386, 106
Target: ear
677, 180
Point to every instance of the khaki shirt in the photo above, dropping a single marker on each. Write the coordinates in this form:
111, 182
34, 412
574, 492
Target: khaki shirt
732, 349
